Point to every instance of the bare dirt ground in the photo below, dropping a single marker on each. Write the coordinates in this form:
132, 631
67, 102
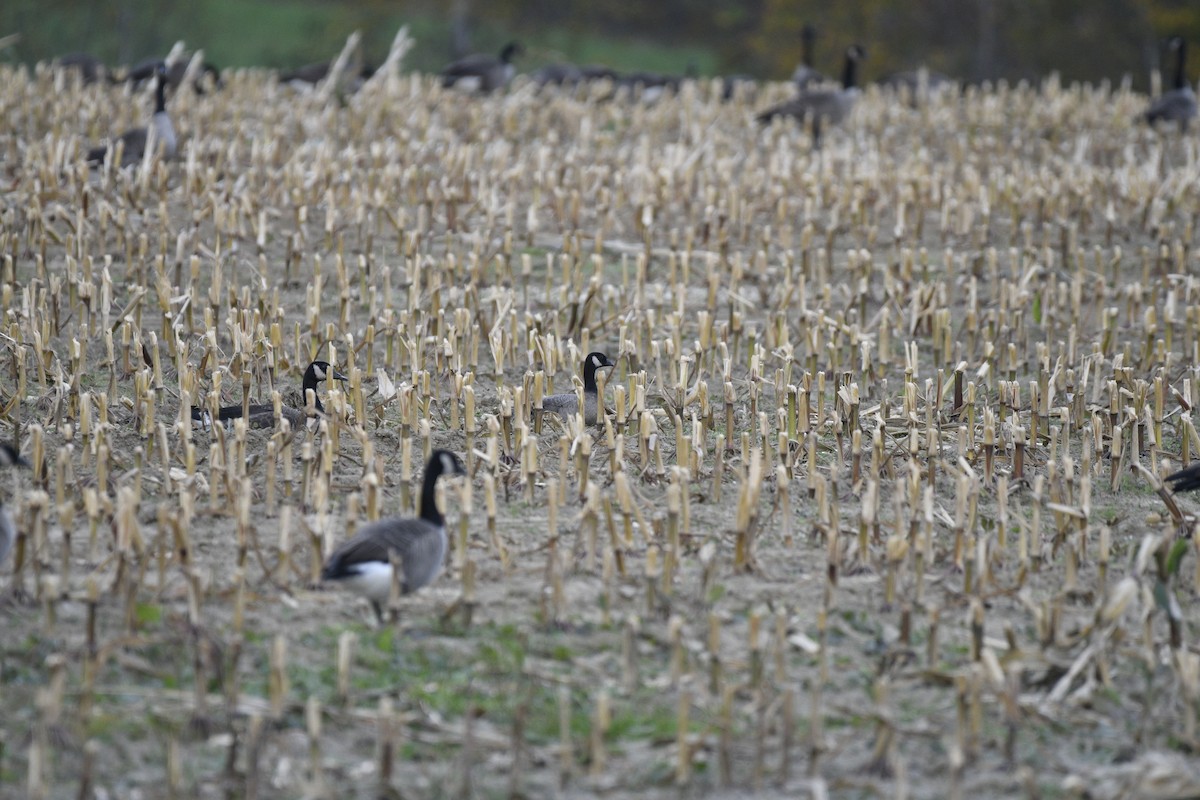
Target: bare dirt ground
874, 512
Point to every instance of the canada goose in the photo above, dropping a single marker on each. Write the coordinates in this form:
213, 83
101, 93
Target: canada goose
90, 68
823, 106
263, 415
566, 404
9, 457
135, 140
598, 72
483, 73
1178, 104
1186, 479
738, 83
557, 75
651, 84
805, 74
363, 563
145, 70
312, 74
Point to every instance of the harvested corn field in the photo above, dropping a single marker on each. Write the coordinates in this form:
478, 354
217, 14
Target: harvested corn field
876, 508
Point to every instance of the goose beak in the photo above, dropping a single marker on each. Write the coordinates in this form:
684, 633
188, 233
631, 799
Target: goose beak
337, 376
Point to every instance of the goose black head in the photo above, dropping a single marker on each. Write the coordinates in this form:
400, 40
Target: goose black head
511, 51
9, 457
808, 35
443, 462
854, 54
597, 360
160, 87
321, 371
591, 363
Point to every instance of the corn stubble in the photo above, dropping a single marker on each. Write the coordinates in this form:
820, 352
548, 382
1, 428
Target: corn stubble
877, 504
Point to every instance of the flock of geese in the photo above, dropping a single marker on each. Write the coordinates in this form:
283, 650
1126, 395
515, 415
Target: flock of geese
818, 101
399, 555
367, 562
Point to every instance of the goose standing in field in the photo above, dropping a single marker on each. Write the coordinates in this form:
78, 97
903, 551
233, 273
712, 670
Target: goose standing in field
805, 74
135, 140
483, 73
312, 74
738, 84
363, 563
176, 71
1186, 479
557, 74
263, 415
1178, 104
598, 72
651, 86
90, 68
9, 457
823, 106
565, 404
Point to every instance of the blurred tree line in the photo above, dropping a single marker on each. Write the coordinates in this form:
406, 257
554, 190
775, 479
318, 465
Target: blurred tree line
969, 39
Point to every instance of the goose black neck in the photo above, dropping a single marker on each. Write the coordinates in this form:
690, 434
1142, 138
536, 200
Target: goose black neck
429, 509
160, 93
850, 72
807, 35
310, 382
589, 377
1180, 70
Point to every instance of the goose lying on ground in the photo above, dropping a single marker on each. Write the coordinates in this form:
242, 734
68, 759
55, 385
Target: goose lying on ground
565, 404
262, 415
483, 73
